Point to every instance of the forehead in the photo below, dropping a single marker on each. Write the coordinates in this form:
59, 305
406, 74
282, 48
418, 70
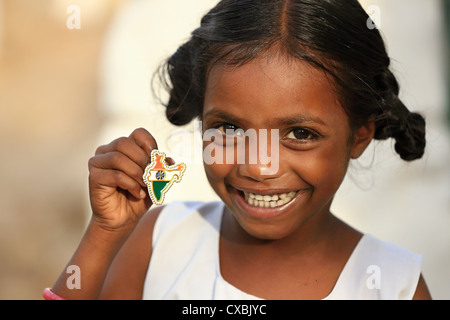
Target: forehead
272, 85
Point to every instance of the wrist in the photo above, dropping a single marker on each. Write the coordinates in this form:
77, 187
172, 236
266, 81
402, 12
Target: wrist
104, 228
100, 234
48, 294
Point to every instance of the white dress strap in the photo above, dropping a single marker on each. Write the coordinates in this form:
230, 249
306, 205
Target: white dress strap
378, 270
185, 240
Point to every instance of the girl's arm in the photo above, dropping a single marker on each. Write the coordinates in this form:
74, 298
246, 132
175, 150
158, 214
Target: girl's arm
118, 199
93, 258
126, 275
422, 292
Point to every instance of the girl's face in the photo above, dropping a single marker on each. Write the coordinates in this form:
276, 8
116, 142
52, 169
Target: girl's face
315, 143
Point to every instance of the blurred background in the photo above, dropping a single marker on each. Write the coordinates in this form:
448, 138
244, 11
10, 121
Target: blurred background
77, 74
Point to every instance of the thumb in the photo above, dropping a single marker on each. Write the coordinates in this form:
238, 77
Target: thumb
170, 161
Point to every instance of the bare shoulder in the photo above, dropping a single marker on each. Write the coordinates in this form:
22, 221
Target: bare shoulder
125, 279
422, 292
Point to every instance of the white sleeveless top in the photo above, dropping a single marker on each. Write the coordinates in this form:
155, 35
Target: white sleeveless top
185, 262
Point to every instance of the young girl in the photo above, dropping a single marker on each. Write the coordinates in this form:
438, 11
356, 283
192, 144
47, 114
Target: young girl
315, 74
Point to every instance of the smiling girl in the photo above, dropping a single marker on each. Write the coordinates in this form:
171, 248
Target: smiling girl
309, 70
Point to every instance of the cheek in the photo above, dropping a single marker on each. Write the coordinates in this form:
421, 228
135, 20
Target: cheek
324, 168
213, 159
217, 175
217, 171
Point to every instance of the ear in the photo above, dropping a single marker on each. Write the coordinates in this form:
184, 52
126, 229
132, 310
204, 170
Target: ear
362, 138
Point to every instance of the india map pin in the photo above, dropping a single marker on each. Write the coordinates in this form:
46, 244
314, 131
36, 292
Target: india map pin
159, 177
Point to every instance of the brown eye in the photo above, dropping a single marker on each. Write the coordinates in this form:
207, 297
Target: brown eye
301, 134
228, 129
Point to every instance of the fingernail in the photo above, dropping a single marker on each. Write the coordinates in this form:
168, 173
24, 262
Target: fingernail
142, 194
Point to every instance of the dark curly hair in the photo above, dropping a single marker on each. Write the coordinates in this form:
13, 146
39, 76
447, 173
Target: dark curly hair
332, 35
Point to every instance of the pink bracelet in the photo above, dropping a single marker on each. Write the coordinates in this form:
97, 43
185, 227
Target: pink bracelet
48, 294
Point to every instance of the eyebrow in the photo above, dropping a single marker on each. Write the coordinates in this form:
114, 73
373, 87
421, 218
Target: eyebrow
223, 115
279, 122
299, 119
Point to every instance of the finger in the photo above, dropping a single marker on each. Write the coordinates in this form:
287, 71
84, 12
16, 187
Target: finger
116, 179
120, 162
129, 148
144, 139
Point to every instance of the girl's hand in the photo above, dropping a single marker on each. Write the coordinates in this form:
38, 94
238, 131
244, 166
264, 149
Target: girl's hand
118, 194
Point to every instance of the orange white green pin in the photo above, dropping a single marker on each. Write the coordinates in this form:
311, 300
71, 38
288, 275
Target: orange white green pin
159, 177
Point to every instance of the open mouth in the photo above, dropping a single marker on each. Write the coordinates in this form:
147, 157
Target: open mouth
267, 204
268, 201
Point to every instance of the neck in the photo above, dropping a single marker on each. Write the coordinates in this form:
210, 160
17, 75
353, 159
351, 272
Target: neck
315, 231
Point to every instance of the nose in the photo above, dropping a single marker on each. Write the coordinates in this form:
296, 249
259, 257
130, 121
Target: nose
262, 164
258, 171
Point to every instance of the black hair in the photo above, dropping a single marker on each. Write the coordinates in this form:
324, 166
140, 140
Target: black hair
332, 35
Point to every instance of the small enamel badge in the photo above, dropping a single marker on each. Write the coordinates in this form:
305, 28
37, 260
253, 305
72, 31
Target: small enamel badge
159, 177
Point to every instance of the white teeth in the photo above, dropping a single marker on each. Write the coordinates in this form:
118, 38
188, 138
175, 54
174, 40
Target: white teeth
269, 201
